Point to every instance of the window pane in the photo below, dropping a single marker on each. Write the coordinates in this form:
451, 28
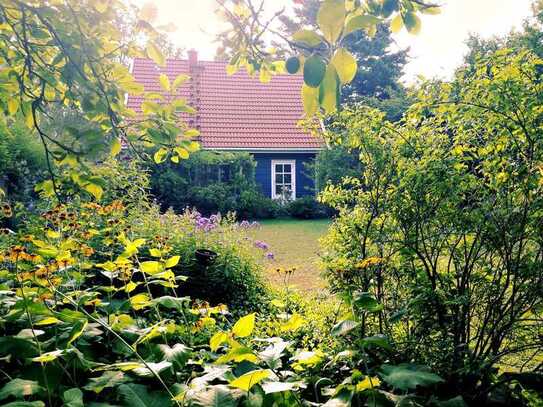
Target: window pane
278, 189
287, 178
287, 168
279, 178
278, 167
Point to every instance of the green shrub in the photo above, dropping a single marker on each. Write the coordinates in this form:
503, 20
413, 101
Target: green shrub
307, 208
233, 279
445, 226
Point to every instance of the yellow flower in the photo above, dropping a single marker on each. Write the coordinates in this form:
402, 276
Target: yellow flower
368, 383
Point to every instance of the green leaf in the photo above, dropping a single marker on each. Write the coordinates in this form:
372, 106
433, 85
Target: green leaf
155, 252
310, 99
238, 354
314, 71
20, 388
307, 37
77, 329
136, 395
244, 326
345, 64
329, 97
178, 355
154, 53
73, 398
176, 303
172, 262
140, 301
215, 396
293, 65
379, 341
360, 23
164, 82
367, 302
412, 22
108, 379
151, 267
331, 18
433, 11
344, 327
248, 380
407, 376
25, 404
458, 401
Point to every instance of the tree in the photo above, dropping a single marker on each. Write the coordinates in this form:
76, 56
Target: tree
444, 226
379, 68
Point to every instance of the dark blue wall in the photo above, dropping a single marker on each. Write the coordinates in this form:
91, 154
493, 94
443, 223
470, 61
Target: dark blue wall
305, 183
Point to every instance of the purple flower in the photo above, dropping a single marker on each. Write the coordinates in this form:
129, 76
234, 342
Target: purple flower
270, 256
245, 224
261, 245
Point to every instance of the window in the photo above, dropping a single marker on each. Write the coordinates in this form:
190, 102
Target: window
283, 179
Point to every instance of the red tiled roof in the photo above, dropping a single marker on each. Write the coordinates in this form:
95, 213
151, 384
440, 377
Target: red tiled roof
234, 111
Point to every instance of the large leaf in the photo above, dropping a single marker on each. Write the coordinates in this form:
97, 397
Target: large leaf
359, 23
20, 388
108, 379
273, 353
25, 404
408, 376
154, 53
412, 22
248, 380
73, 398
136, 395
244, 326
329, 90
345, 64
293, 65
344, 327
307, 37
177, 355
314, 71
310, 99
331, 17
215, 396
367, 302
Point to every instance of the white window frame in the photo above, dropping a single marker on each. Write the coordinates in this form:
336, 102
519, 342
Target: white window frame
293, 177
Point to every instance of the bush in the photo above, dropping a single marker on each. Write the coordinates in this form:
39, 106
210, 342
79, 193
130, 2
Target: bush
445, 226
233, 279
308, 208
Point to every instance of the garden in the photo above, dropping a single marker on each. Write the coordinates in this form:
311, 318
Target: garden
422, 285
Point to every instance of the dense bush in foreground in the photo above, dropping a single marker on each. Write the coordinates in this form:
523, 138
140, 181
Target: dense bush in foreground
444, 227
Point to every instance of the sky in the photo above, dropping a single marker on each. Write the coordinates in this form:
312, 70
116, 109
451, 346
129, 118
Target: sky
435, 52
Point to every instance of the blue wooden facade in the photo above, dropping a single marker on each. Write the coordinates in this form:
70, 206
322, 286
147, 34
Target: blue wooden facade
304, 181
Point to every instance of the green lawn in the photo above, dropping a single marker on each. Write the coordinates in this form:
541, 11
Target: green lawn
294, 244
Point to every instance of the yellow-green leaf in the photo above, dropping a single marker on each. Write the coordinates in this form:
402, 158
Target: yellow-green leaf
307, 37
172, 262
217, 340
179, 80
244, 327
396, 24
368, 383
155, 252
182, 153
310, 98
140, 301
359, 23
191, 133
48, 357
331, 18
13, 105
160, 155
431, 10
164, 82
412, 22
345, 64
154, 53
115, 147
248, 380
95, 190
48, 321
151, 267
294, 323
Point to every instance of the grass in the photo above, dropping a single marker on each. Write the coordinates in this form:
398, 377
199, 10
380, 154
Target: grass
294, 243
